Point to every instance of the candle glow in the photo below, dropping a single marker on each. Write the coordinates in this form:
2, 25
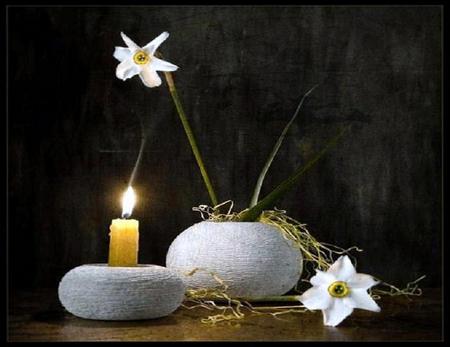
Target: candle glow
124, 235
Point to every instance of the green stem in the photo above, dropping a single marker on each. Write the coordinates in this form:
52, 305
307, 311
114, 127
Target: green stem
253, 213
275, 298
191, 138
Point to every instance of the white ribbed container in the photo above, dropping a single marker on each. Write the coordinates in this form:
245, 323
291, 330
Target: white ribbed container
253, 259
103, 292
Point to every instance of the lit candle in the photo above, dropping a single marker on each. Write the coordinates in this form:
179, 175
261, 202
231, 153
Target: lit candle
124, 235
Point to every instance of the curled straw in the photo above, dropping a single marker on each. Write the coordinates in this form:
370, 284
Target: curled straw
232, 309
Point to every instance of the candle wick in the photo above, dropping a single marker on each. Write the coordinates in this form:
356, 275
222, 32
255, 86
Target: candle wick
126, 215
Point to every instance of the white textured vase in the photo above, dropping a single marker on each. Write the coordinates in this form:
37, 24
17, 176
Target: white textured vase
103, 292
254, 259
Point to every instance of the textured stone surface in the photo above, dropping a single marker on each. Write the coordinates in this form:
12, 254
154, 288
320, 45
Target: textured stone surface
252, 258
121, 293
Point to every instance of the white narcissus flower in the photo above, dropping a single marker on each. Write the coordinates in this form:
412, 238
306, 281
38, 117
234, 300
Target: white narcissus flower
338, 291
135, 60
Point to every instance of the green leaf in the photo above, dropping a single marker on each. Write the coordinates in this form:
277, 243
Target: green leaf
262, 175
254, 212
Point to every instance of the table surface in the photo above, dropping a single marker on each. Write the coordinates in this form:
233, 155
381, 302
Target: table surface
38, 316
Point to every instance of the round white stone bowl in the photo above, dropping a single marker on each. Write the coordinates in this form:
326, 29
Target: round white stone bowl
254, 259
103, 292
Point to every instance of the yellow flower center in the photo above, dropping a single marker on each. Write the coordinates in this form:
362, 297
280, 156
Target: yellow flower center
141, 58
338, 289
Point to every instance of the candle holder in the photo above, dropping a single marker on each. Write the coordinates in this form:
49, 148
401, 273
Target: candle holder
102, 292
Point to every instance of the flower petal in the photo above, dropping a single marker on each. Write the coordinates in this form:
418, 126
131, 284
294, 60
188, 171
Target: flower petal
162, 65
316, 298
342, 269
336, 313
131, 45
153, 45
363, 281
322, 278
149, 77
126, 69
121, 53
359, 298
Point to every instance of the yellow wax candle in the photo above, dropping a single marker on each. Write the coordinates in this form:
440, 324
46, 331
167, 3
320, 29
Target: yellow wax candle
124, 235
124, 242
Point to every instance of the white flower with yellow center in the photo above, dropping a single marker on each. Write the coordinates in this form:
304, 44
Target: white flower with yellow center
338, 291
135, 60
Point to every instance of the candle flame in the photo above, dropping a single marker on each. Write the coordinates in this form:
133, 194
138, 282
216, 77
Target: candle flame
128, 202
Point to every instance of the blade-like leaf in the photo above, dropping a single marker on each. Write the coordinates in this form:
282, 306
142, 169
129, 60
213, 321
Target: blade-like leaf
254, 212
275, 149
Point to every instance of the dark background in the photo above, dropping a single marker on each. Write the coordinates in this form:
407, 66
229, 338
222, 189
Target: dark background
74, 129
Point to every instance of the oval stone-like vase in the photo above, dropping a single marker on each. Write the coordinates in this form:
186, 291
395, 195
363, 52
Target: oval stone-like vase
253, 259
103, 292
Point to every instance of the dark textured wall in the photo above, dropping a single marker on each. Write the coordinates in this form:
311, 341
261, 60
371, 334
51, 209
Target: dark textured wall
74, 129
